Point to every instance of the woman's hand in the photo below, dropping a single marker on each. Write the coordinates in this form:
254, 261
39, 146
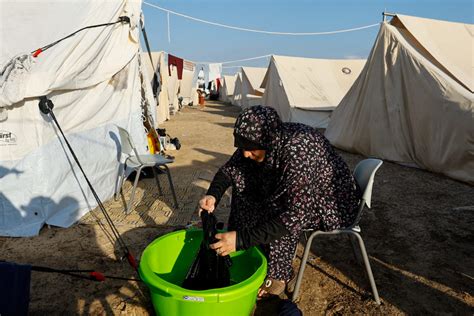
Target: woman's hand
226, 243
208, 203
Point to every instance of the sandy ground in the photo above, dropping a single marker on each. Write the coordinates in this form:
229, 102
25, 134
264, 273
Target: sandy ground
419, 236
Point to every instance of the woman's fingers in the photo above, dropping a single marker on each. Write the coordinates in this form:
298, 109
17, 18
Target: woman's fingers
226, 243
207, 203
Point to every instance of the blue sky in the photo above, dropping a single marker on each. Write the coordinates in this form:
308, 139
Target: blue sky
200, 42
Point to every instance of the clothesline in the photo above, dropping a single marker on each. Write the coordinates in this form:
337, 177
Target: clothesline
232, 61
231, 67
258, 31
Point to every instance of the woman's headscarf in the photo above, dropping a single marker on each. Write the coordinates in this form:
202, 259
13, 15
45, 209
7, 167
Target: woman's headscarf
257, 125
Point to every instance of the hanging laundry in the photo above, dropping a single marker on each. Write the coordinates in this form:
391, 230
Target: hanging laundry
188, 65
215, 71
178, 62
201, 79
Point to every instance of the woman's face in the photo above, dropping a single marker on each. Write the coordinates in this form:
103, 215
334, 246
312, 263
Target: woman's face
257, 155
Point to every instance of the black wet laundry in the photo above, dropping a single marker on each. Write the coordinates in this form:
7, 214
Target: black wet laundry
209, 270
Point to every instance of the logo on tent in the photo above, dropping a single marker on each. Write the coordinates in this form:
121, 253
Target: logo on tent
7, 137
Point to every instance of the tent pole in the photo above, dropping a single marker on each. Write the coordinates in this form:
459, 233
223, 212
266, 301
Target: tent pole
385, 14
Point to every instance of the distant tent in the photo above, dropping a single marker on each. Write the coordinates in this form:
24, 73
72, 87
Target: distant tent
227, 90
94, 80
186, 88
173, 88
251, 80
237, 98
307, 90
159, 61
170, 85
413, 102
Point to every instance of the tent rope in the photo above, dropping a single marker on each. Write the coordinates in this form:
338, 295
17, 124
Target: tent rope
46, 107
92, 274
260, 31
232, 61
122, 19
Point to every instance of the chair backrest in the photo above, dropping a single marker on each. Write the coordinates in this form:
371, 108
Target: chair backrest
364, 174
126, 142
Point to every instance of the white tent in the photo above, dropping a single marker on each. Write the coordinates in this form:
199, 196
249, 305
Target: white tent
237, 97
252, 78
186, 88
93, 79
413, 102
307, 90
159, 62
173, 88
226, 92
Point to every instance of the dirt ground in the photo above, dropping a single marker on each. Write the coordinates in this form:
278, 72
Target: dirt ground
419, 235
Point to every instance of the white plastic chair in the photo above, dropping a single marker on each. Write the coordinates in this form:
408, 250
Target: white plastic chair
137, 162
364, 174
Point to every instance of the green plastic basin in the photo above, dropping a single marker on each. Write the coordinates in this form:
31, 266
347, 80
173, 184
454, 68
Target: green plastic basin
165, 262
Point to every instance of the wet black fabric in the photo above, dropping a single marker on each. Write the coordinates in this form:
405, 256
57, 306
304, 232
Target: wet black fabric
209, 270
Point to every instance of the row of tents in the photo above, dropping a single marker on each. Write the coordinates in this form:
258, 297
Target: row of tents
171, 88
411, 102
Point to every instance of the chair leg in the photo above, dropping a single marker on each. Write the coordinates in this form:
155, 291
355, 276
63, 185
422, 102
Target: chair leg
299, 278
168, 173
354, 249
132, 195
160, 190
305, 234
368, 268
120, 181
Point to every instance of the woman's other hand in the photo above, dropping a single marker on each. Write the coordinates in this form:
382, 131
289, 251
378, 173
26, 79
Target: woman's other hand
226, 244
208, 203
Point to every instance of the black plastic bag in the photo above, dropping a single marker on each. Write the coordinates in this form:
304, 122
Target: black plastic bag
209, 270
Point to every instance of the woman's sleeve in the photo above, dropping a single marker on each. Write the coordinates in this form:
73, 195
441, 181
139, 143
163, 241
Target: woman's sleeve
219, 185
223, 178
261, 235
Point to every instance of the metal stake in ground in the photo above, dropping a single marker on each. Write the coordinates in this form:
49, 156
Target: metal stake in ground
46, 107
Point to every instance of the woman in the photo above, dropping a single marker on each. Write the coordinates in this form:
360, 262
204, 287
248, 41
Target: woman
284, 177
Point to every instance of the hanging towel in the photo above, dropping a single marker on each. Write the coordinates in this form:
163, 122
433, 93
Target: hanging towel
189, 65
14, 288
215, 71
178, 62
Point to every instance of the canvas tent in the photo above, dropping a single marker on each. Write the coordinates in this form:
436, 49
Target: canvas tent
251, 80
227, 90
237, 97
307, 90
413, 102
159, 62
93, 79
171, 88
186, 88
